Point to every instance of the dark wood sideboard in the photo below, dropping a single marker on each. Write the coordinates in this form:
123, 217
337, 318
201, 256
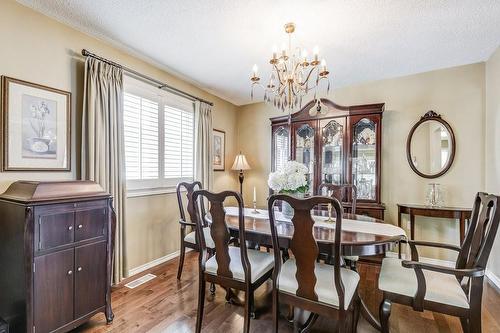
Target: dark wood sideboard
56, 246
459, 213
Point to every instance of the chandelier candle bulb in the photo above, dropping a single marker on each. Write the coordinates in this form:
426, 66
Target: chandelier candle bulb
254, 194
283, 50
316, 53
275, 51
255, 70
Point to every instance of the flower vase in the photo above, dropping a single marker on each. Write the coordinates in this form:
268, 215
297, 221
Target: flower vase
286, 209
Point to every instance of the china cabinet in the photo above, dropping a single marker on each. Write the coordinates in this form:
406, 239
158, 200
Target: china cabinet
339, 145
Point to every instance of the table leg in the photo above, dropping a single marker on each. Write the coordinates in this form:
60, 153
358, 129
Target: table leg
412, 226
399, 225
462, 229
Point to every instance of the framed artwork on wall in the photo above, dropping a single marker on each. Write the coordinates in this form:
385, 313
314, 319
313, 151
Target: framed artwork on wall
36, 124
219, 150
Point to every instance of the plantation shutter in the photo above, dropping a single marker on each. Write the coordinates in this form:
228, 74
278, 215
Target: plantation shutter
141, 137
179, 143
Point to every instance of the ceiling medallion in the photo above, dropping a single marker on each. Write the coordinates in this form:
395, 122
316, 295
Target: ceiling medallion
293, 75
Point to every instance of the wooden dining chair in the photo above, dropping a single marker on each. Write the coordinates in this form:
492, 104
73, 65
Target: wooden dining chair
231, 267
343, 193
189, 239
453, 291
327, 290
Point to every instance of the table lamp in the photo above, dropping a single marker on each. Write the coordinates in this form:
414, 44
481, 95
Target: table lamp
240, 163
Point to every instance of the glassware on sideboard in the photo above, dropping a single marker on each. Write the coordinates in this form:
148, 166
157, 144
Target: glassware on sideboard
435, 196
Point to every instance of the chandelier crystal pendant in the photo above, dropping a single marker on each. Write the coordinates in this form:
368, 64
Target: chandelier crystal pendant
293, 75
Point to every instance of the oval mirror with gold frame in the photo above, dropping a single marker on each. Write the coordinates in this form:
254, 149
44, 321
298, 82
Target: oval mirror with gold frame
430, 147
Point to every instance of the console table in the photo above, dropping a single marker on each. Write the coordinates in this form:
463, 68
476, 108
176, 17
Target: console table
459, 213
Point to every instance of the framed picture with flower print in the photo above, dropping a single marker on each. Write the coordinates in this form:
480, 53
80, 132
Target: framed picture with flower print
219, 150
36, 124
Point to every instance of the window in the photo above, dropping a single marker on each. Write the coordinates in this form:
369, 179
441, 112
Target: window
159, 137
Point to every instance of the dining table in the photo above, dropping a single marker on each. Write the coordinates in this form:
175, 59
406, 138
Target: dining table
361, 235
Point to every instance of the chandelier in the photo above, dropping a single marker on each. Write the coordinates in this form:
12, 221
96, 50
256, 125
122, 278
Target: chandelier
293, 75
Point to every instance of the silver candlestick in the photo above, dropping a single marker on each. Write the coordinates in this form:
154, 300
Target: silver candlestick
329, 219
255, 211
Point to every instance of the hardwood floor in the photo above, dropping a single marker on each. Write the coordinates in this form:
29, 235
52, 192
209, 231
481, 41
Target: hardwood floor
169, 306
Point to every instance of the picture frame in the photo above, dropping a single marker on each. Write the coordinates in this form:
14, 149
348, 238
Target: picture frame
36, 124
219, 150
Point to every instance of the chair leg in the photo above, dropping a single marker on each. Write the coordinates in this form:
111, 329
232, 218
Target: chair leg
291, 313
248, 310
201, 303
181, 260
229, 296
355, 315
275, 309
251, 298
475, 320
465, 324
384, 313
309, 323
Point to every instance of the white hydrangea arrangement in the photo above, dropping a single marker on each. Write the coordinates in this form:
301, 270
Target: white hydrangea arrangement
289, 179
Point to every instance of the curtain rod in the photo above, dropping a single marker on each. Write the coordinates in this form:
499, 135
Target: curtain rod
159, 84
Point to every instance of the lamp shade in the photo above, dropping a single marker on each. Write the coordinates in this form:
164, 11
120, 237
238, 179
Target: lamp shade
240, 163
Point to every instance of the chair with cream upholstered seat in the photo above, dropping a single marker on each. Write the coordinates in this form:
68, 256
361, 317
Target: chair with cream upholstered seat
343, 193
327, 290
231, 267
189, 240
454, 291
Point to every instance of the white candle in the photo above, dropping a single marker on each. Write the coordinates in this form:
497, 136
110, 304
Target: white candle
254, 194
323, 65
275, 51
255, 70
316, 53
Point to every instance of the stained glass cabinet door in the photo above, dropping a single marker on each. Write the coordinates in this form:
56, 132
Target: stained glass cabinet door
365, 167
304, 142
281, 146
332, 151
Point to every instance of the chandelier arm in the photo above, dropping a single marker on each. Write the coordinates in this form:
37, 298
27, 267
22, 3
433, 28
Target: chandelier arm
278, 73
308, 76
286, 68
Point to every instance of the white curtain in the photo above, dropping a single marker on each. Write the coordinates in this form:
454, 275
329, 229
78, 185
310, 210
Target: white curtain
103, 152
203, 144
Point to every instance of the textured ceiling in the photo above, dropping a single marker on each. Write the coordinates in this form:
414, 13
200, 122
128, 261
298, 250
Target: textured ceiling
214, 43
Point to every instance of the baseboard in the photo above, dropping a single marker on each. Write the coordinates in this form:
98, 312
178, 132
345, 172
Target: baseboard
154, 263
489, 274
493, 278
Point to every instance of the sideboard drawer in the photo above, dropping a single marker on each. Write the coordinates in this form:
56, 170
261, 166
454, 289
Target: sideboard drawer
90, 223
54, 229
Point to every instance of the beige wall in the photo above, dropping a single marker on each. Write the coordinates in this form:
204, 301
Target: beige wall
41, 50
456, 93
492, 143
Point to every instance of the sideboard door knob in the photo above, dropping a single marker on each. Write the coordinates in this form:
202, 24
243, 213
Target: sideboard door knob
80, 269
70, 228
80, 226
70, 272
